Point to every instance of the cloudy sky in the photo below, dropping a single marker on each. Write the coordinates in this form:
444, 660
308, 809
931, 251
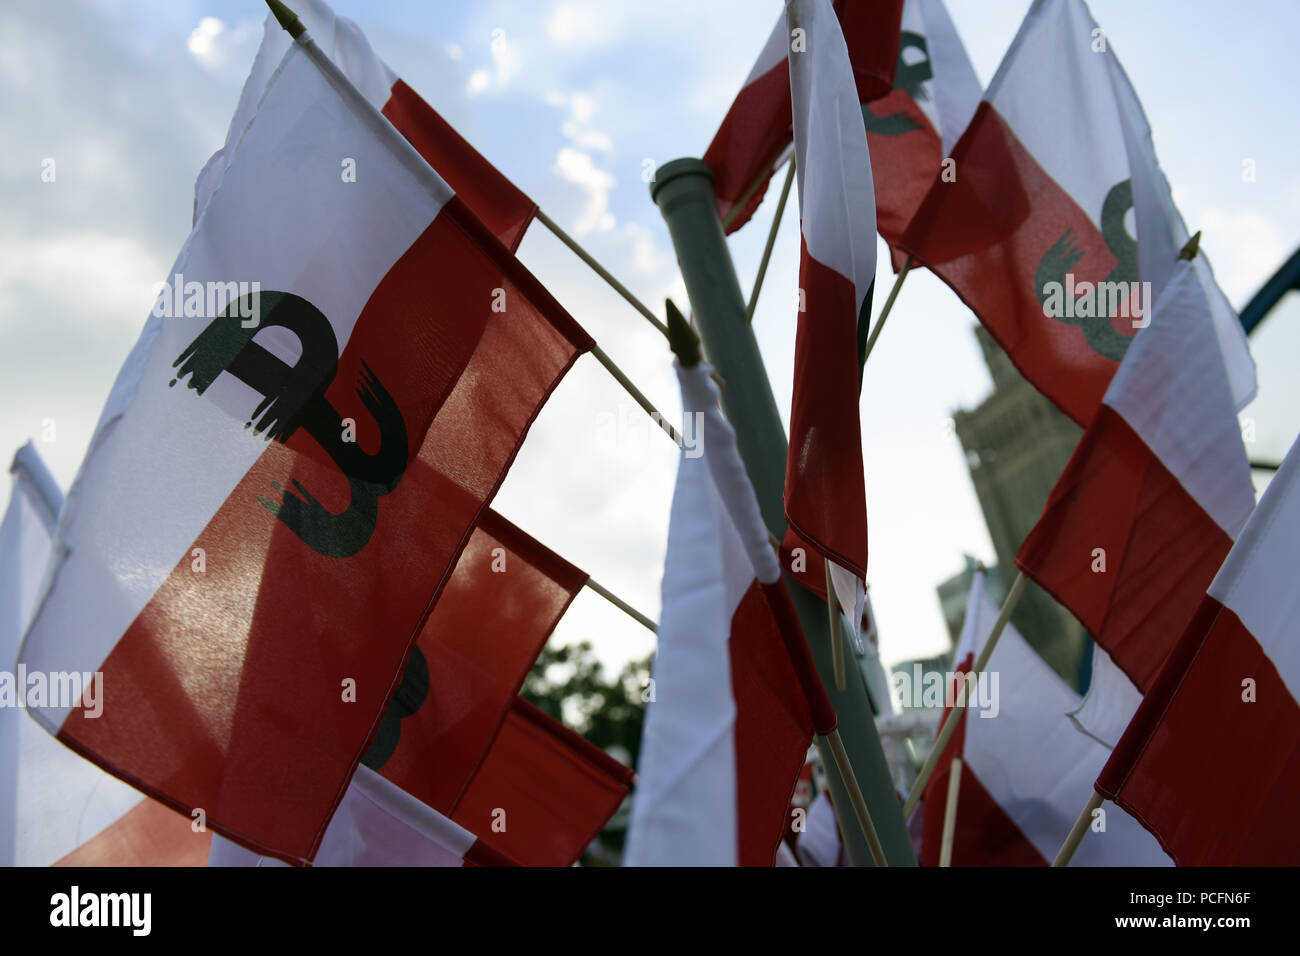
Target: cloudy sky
569, 98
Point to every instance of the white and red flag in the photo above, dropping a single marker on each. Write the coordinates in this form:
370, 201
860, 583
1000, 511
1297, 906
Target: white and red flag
493, 198
280, 484
378, 824
1157, 490
910, 131
1030, 231
1211, 762
736, 693
825, 490
1023, 763
756, 131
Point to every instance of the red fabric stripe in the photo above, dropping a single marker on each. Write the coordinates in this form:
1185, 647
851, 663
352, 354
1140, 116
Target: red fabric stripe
825, 491
773, 728
480, 854
225, 693
551, 798
904, 164
1212, 776
984, 835
1162, 550
872, 31
752, 135
479, 644
986, 234
801, 658
498, 202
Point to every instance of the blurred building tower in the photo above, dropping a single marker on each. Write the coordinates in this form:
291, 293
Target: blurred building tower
1017, 443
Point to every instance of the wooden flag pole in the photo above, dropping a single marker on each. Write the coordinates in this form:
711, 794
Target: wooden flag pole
599, 354
1078, 831
889, 305
959, 708
837, 641
622, 605
950, 812
855, 797
601, 271
771, 241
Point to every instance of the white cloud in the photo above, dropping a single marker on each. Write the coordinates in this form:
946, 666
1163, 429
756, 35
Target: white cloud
203, 41
506, 65
575, 166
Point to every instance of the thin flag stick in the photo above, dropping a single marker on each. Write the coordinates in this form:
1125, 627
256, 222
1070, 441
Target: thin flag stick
959, 706
601, 271
1078, 831
771, 241
635, 392
889, 304
855, 797
837, 643
950, 813
622, 605
748, 194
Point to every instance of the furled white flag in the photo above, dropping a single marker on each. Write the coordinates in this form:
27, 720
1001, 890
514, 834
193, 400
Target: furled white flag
735, 702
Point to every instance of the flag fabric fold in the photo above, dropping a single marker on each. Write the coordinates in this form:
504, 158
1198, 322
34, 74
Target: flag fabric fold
1211, 762
756, 131
1031, 233
252, 602
1151, 500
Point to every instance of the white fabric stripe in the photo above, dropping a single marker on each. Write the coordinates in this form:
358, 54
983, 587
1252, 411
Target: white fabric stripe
1037, 766
1110, 703
337, 36
837, 203
718, 448
684, 810
955, 89
773, 53
1257, 581
1172, 388
164, 459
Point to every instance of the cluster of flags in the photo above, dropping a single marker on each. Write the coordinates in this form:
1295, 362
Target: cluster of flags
308, 629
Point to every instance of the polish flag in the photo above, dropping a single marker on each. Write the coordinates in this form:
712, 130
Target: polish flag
250, 602
377, 824
1211, 762
1157, 490
825, 491
493, 198
1024, 764
735, 688
756, 131
1032, 232
910, 131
